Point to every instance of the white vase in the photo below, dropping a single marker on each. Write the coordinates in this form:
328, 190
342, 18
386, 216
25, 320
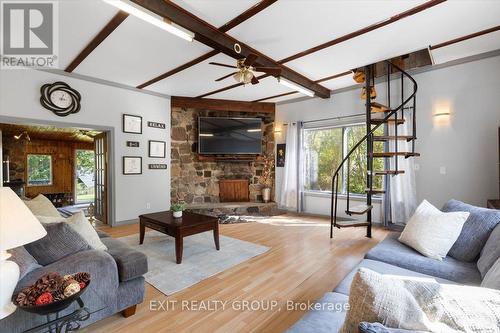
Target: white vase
178, 214
266, 194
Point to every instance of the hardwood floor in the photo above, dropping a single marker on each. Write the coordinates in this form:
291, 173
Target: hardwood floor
302, 264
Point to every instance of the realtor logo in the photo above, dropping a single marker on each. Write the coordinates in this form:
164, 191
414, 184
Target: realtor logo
29, 34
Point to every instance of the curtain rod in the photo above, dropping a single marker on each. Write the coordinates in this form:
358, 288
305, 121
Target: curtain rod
332, 118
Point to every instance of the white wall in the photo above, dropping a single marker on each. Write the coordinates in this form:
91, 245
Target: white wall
102, 106
467, 145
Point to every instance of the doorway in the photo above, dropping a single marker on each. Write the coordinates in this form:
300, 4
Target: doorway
84, 176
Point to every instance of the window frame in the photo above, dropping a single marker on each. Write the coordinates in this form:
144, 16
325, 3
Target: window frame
51, 170
345, 131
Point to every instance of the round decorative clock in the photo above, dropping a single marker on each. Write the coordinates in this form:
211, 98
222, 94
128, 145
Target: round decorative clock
60, 98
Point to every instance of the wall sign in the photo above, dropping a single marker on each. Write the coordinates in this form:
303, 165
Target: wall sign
157, 166
156, 125
134, 144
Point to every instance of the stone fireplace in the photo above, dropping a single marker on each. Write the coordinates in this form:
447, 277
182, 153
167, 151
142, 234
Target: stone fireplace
196, 180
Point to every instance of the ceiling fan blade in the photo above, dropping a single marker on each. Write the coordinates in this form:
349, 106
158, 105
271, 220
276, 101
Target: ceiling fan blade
223, 65
226, 76
275, 71
254, 80
250, 59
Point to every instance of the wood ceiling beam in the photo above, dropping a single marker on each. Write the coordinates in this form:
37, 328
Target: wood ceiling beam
211, 36
98, 39
221, 104
226, 27
364, 30
464, 38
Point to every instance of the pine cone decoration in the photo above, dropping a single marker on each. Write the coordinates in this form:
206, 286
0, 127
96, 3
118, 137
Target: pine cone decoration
58, 296
28, 296
82, 277
49, 283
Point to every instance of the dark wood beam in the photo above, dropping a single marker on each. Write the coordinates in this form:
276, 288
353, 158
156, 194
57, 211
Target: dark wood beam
364, 30
98, 39
211, 36
275, 96
178, 69
221, 104
463, 38
226, 27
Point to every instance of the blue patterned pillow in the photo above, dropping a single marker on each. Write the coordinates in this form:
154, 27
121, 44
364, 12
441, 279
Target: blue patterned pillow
475, 231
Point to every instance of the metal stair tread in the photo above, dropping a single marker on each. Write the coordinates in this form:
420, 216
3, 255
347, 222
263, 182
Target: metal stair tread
393, 137
347, 224
391, 120
393, 153
359, 209
388, 172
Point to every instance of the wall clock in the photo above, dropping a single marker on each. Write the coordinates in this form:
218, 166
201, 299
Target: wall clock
60, 98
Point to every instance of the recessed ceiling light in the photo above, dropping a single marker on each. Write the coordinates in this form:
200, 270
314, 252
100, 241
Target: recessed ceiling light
151, 18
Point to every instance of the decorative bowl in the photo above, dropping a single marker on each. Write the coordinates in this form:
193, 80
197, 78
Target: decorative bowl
54, 306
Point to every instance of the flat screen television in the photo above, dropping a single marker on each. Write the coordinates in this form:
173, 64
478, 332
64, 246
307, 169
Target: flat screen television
217, 135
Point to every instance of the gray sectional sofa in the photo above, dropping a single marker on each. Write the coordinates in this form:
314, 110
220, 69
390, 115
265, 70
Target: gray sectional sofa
116, 282
394, 258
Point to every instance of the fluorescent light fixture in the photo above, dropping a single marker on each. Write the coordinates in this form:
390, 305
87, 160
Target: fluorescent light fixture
295, 86
253, 130
151, 18
206, 134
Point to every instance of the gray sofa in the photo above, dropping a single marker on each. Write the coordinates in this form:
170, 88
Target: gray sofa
394, 258
116, 281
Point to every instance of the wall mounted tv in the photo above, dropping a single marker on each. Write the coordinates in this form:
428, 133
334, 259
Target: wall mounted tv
217, 135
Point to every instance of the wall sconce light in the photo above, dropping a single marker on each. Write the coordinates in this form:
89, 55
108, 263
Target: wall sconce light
442, 116
277, 130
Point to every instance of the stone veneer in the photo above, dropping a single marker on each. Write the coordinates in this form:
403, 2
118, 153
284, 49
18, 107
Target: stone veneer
195, 181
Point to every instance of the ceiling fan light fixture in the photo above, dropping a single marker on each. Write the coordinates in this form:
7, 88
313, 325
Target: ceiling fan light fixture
295, 86
148, 16
238, 77
247, 76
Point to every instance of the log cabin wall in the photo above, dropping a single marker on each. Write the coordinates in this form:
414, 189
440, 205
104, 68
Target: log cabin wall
63, 162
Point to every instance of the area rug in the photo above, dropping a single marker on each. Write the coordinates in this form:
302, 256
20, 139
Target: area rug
200, 259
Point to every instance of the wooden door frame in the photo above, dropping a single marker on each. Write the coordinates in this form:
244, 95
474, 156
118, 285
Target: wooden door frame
111, 181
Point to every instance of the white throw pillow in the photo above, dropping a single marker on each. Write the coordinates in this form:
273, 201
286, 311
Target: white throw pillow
432, 232
410, 303
81, 225
42, 206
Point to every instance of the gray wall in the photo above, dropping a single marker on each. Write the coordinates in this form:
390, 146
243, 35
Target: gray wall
102, 107
465, 144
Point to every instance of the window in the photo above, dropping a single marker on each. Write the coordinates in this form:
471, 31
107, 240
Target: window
325, 148
39, 170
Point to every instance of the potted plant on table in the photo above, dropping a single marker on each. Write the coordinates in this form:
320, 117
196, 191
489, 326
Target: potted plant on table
177, 208
266, 178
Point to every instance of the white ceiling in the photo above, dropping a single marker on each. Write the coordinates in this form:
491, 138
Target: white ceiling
137, 51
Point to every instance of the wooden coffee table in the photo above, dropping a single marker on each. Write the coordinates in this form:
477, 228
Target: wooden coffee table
188, 224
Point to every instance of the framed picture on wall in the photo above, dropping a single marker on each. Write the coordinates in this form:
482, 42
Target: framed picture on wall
132, 165
132, 124
157, 148
280, 155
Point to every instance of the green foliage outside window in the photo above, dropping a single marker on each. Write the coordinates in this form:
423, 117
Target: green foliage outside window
85, 165
39, 170
325, 148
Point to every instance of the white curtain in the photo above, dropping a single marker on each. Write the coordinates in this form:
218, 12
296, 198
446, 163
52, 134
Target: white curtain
403, 193
289, 184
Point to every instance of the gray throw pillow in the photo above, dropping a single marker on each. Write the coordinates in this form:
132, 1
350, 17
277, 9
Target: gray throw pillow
24, 260
61, 241
475, 231
492, 278
365, 327
490, 252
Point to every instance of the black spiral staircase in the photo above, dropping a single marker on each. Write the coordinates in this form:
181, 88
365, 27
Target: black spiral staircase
391, 118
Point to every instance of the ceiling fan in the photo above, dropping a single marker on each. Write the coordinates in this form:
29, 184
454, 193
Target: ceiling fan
245, 70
